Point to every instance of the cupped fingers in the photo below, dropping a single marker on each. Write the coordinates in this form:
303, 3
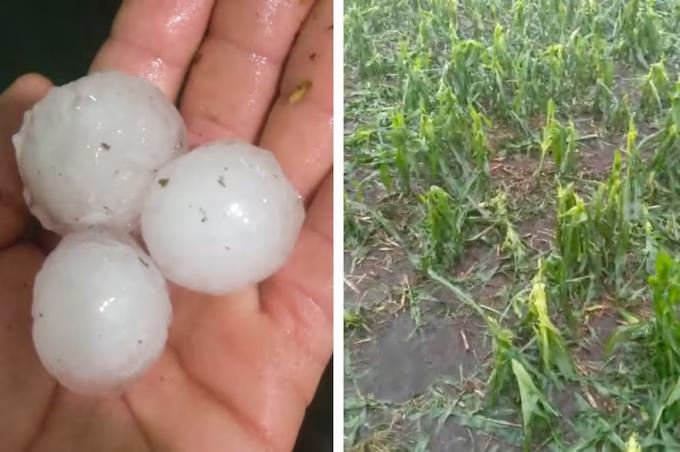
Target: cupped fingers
18, 98
25, 387
155, 40
235, 73
299, 129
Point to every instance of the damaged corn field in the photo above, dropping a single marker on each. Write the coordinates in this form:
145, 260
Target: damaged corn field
512, 225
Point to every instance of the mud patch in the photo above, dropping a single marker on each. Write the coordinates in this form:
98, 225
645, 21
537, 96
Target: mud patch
403, 361
376, 277
601, 327
538, 231
458, 438
597, 156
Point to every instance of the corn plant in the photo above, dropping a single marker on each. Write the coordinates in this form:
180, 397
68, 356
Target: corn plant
414, 73
479, 147
548, 132
555, 60
651, 248
458, 147
659, 335
634, 180
533, 402
444, 228
667, 154
577, 263
474, 13
355, 232
603, 98
465, 69
445, 10
528, 89
553, 349
674, 111
512, 243
502, 349
580, 55
431, 146
655, 89
501, 68
559, 141
637, 31
665, 285
647, 36
612, 215
603, 101
609, 216
403, 159
621, 114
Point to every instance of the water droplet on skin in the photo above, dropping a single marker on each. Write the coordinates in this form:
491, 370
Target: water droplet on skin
155, 71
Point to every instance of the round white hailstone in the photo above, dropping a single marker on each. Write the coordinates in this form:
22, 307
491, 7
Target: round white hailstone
101, 310
221, 217
88, 150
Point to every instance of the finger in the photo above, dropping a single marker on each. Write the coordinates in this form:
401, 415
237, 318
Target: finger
25, 388
155, 40
18, 98
226, 345
309, 270
77, 423
161, 401
233, 80
299, 129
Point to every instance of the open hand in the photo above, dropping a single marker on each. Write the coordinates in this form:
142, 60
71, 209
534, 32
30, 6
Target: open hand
239, 370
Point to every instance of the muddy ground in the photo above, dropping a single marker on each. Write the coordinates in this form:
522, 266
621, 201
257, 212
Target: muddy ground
400, 352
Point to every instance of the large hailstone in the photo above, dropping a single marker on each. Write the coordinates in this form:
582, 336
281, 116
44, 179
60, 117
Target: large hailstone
101, 310
221, 217
88, 150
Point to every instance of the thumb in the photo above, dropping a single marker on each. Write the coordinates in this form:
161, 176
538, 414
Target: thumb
18, 98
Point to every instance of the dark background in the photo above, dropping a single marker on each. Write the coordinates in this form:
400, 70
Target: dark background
59, 38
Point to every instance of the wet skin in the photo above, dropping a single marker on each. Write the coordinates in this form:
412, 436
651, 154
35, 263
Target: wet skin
239, 370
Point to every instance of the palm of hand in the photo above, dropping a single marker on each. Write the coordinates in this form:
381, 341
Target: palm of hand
239, 370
